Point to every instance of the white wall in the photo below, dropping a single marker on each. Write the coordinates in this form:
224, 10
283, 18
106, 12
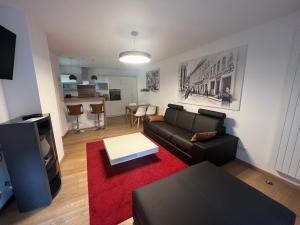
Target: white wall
45, 81
59, 93
21, 93
3, 107
269, 47
32, 89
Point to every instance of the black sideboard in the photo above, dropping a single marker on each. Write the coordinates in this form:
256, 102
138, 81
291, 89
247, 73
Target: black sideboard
30, 153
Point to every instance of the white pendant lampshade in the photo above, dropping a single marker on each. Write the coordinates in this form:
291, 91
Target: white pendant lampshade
133, 56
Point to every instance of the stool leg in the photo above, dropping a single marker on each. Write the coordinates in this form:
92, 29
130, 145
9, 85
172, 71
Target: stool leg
77, 122
98, 127
77, 130
98, 122
102, 119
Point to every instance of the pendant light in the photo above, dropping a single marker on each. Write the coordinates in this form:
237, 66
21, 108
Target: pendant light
94, 77
134, 56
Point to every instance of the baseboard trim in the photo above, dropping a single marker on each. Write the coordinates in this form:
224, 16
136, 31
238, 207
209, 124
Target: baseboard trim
62, 158
268, 174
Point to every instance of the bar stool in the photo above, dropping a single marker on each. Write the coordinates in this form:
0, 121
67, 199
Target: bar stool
97, 109
76, 110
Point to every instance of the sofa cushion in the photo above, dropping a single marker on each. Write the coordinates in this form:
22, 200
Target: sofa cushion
203, 136
171, 115
205, 123
168, 131
185, 120
164, 129
183, 141
152, 126
156, 118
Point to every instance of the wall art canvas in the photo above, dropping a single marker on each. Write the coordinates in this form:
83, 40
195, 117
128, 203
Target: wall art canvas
214, 80
152, 80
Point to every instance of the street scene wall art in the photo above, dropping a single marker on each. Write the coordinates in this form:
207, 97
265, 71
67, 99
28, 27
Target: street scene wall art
152, 80
214, 80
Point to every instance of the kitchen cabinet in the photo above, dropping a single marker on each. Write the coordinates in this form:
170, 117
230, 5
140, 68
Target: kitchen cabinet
65, 79
114, 82
113, 108
128, 91
128, 87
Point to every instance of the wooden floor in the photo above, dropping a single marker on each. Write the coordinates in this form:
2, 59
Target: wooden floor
71, 204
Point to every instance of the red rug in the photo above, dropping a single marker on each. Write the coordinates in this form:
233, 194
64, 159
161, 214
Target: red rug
110, 187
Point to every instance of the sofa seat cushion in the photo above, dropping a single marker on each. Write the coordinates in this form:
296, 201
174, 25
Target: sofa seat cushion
153, 126
165, 130
183, 141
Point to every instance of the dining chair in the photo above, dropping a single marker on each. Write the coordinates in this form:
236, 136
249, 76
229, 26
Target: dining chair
140, 114
151, 110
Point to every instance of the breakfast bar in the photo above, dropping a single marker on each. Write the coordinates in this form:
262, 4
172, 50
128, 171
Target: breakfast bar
87, 119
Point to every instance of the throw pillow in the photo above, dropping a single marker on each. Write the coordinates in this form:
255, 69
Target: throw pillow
156, 118
203, 136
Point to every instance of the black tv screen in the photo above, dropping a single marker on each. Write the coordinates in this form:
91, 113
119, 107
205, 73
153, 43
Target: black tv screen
7, 53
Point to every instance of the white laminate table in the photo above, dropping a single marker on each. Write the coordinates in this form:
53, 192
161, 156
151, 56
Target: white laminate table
128, 147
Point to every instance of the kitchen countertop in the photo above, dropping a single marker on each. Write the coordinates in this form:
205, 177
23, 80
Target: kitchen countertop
86, 99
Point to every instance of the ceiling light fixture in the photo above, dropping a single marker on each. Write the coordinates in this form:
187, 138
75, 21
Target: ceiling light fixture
133, 56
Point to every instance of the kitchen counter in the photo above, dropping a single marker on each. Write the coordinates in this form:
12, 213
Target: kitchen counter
86, 99
87, 119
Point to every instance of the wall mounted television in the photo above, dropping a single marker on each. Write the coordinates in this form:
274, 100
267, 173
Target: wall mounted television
7, 53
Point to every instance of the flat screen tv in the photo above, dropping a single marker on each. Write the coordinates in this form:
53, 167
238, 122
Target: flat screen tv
7, 53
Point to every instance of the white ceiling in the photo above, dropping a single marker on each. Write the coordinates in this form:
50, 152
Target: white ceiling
100, 29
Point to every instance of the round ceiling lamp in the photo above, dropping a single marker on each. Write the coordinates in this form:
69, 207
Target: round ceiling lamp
134, 56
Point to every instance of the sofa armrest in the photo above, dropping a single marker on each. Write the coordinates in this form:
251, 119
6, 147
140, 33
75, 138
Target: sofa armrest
218, 150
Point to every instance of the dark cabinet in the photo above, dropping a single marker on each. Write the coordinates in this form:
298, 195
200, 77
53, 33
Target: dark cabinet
29, 149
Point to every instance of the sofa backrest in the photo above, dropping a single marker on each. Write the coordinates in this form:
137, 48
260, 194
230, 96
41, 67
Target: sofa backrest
171, 115
185, 120
208, 120
205, 120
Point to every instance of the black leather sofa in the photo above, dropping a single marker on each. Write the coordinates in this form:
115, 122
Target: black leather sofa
178, 128
205, 194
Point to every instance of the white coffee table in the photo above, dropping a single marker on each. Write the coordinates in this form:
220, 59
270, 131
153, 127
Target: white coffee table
127, 147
